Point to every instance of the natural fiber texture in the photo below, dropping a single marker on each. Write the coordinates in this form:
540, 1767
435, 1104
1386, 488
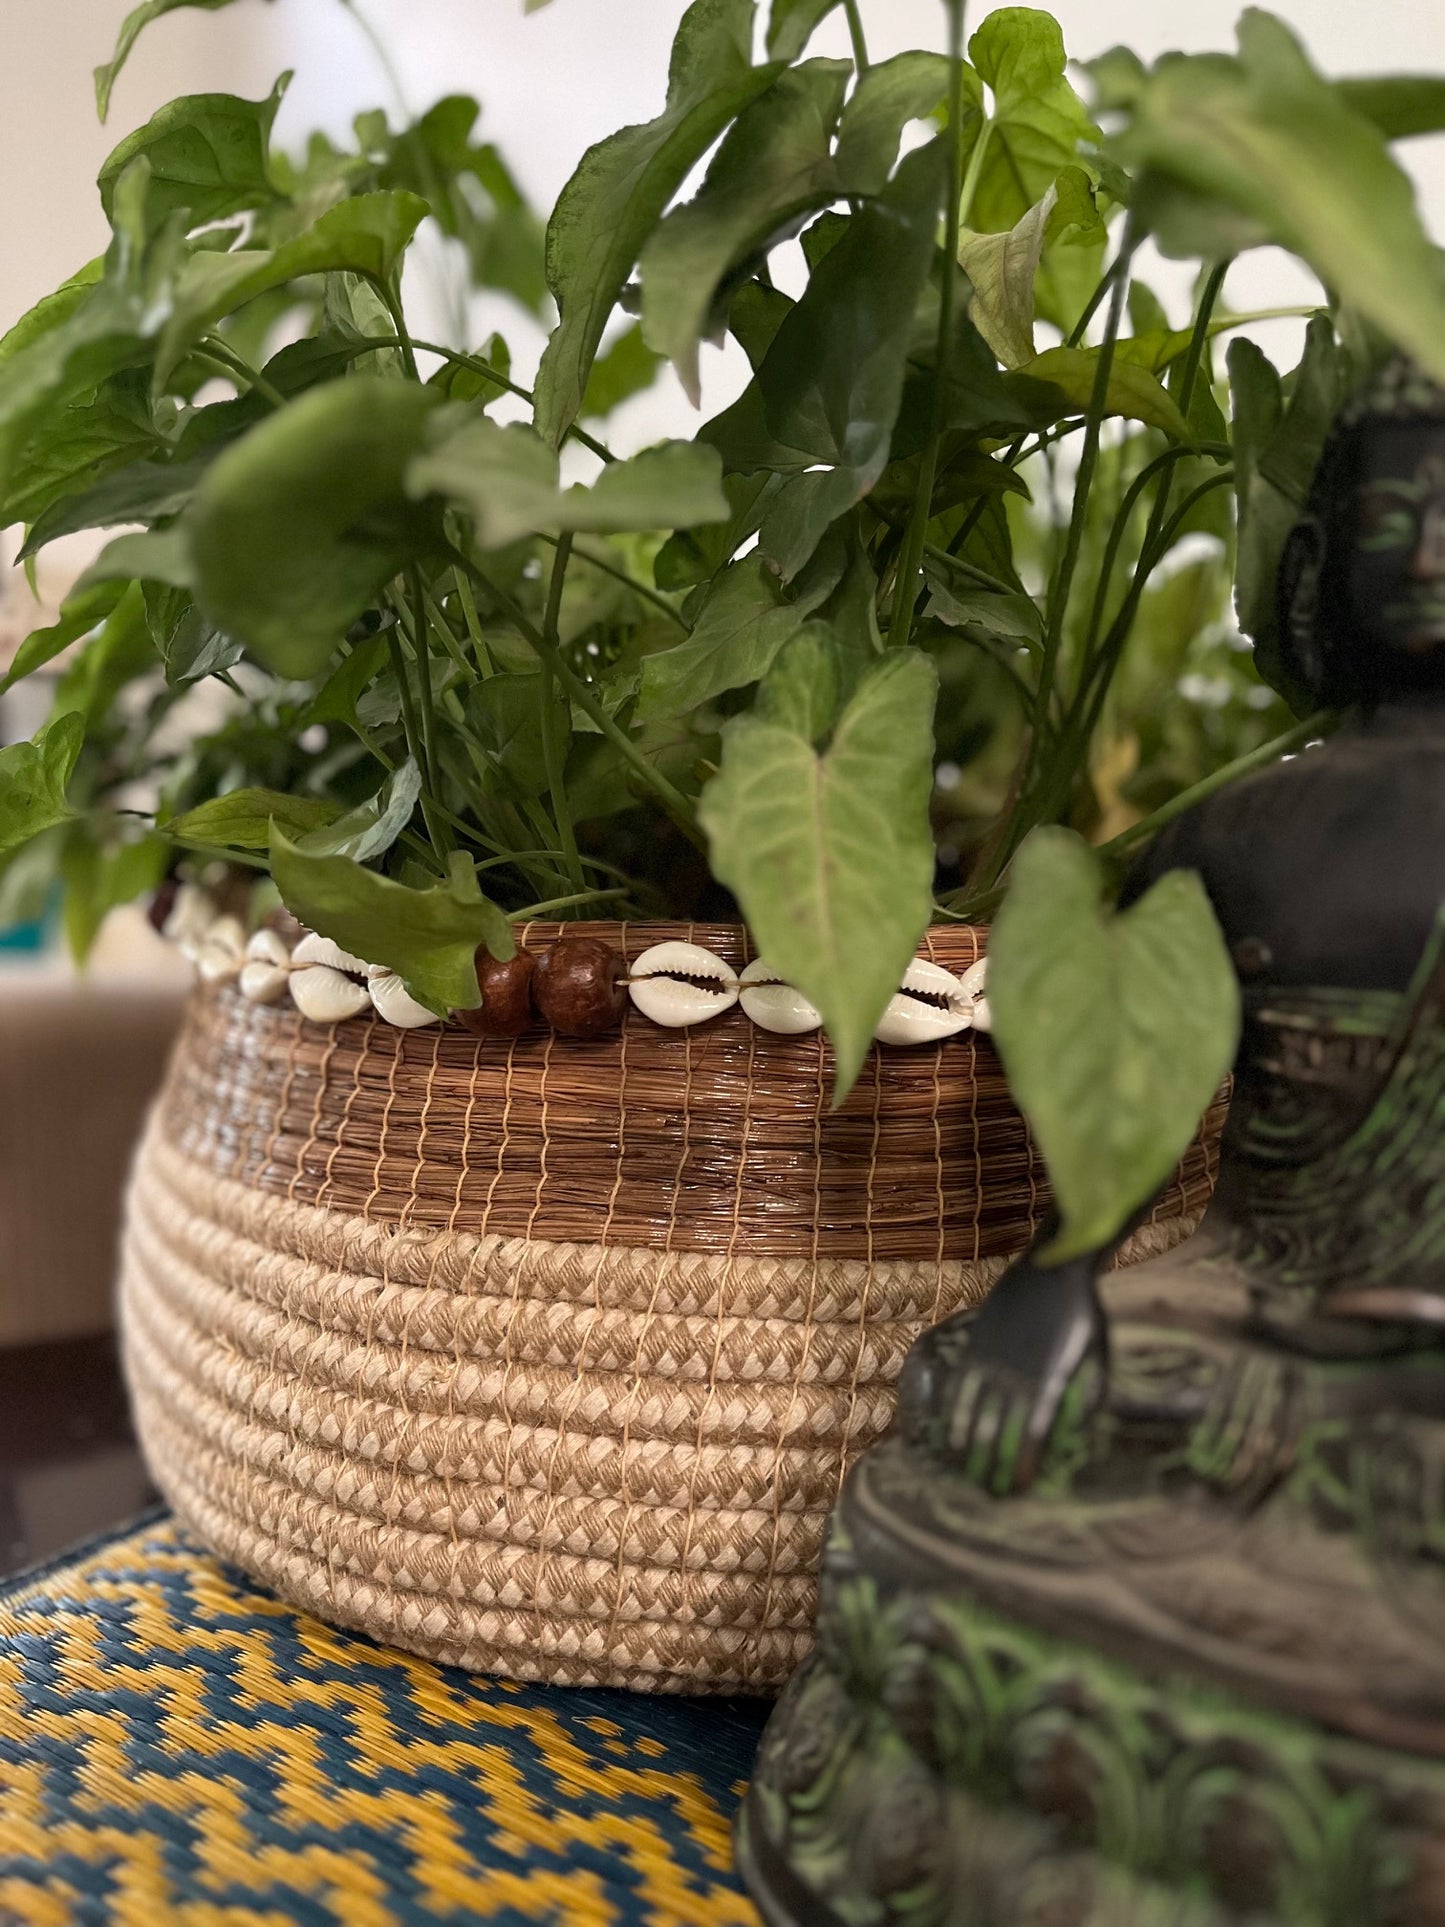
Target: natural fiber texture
177, 1747
549, 1358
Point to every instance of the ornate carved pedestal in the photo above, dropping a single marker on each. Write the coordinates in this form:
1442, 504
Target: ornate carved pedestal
1201, 1684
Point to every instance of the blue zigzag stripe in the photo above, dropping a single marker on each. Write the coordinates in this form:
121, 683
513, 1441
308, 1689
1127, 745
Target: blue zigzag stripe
178, 1746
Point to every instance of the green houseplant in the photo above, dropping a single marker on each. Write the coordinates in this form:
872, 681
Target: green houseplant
877, 642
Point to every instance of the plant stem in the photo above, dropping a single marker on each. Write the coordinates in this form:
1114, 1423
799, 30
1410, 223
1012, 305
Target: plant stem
1094, 302
1283, 745
427, 695
1101, 672
1084, 480
437, 618
217, 350
671, 799
958, 566
855, 34
551, 749
565, 903
440, 839
480, 367
975, 169
473, 622
1171, 528
392, 297
620, 575
909, 574
1116, 537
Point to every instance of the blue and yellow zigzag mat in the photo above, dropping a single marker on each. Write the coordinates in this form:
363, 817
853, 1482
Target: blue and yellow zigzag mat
178, 1746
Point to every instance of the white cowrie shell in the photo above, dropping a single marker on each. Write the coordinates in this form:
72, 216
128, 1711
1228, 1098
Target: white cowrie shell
268, 946
262, 982
775, 1005
326, 995
221, 951
192, 915
930, 1004
973, 981
394, 1002
321, 950
681, 983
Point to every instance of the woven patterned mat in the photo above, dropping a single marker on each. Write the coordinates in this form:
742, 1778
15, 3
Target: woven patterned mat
176, 1745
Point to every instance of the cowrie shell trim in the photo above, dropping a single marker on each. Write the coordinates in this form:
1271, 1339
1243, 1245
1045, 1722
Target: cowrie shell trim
327, 996
221, 951
930, 1004
263, 982
192, 915
974, 980
321, 950
660, 984
394, 1002
773, 1004
268, 946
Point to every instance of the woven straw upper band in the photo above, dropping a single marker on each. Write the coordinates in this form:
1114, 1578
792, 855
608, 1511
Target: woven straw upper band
472, 1346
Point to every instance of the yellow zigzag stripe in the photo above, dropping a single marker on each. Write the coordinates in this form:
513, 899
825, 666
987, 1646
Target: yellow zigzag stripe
340, 1681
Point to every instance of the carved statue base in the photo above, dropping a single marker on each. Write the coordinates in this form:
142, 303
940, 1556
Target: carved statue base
1195, 1677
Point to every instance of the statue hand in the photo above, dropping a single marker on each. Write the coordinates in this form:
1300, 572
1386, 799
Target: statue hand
984, 1389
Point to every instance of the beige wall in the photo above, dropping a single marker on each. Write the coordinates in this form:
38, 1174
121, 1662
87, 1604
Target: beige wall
52, 146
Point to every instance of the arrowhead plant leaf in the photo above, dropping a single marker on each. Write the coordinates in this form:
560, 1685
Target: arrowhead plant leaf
208, 155
1116, 1030
829, 852
609, 207
298, 524
775, 164
131, 28
367, 235
1262, 140
507, 479
823, 403
429, 937
33, 781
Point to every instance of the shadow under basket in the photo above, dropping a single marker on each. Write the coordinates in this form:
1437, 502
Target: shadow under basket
547, 1357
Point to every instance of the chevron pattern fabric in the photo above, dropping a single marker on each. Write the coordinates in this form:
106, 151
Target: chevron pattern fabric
176, 1746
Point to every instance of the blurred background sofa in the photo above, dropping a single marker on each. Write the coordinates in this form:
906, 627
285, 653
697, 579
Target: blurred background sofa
79, 1063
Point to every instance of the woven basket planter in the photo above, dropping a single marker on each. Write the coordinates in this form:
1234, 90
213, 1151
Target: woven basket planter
548, 1357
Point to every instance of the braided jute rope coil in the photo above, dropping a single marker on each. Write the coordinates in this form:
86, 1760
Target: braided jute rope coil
546, 1357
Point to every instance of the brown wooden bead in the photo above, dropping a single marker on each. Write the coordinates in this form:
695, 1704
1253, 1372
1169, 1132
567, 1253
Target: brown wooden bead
580, 987
506, 1006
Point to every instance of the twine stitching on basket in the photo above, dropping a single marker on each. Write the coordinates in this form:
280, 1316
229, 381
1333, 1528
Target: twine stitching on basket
327, 1188
722, 1304
281, 1109
573, 1397
845, 1458
663, 1273
462, 1173
820, 1098
502, 1144
936, 1120
408, 1211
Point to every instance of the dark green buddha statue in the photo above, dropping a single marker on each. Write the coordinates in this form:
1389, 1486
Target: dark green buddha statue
1138, 1620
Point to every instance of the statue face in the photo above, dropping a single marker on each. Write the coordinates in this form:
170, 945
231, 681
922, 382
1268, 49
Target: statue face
1397, 561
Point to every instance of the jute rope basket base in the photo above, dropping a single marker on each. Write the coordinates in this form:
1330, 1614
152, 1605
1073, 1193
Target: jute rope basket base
546, 1357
